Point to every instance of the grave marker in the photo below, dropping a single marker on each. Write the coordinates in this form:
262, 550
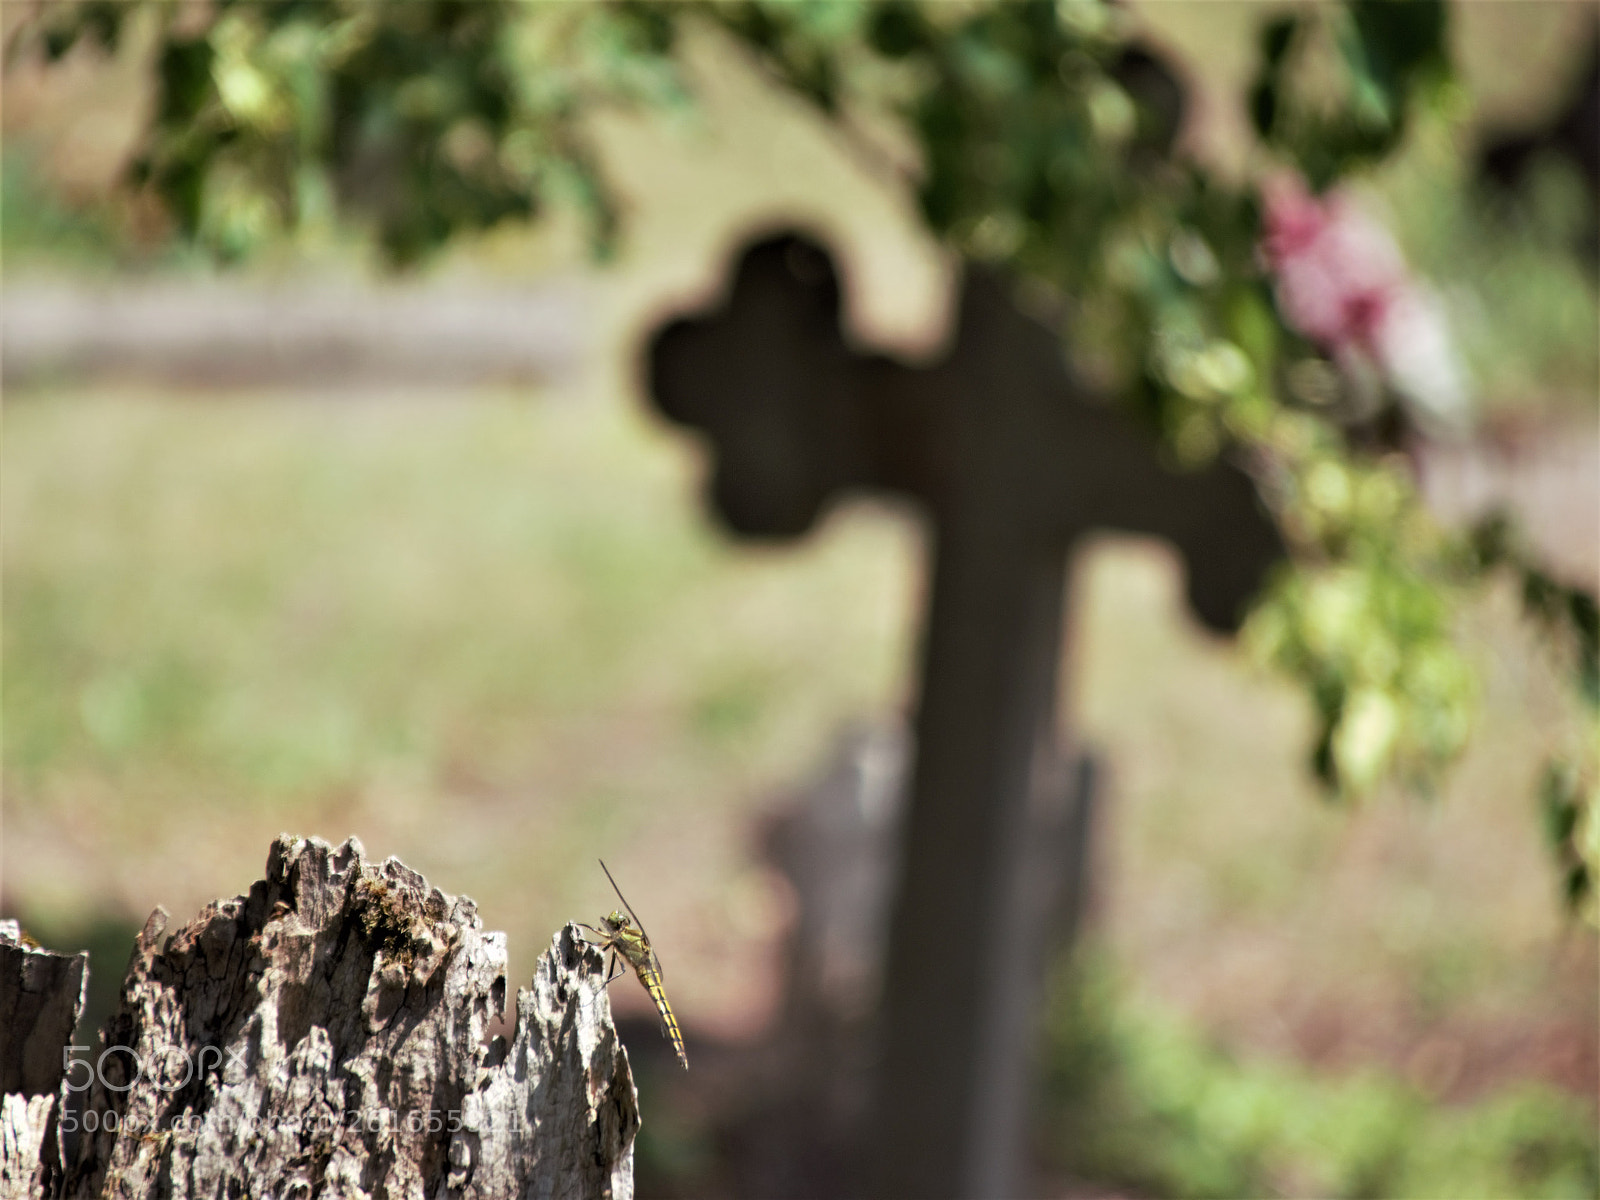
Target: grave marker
1013, 461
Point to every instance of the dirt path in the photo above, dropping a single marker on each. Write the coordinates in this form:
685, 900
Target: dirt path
238, 332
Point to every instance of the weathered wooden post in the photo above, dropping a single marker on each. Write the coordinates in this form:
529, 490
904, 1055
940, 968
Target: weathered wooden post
1013, 462
325, 1034
41, 998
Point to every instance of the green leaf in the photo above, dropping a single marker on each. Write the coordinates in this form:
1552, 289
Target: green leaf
1558, 802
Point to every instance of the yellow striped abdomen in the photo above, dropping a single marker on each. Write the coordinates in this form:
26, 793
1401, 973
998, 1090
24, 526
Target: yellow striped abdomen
652, 984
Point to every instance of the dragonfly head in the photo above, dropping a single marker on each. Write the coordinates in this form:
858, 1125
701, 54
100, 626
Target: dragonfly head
617, 923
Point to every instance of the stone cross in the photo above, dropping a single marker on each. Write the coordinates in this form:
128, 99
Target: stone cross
1013, 461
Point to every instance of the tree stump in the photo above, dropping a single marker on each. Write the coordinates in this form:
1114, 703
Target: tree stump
41, 998
327, 1035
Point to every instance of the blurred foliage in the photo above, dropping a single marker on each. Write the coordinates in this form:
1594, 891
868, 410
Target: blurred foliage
34, 217
1134, 1098
1569, 790
1042, 134
1388, 54
422, 119
1524, 303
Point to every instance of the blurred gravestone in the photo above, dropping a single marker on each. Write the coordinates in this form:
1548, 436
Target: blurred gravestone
1013, 462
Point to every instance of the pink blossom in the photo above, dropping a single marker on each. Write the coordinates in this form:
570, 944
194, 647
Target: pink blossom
1341, 280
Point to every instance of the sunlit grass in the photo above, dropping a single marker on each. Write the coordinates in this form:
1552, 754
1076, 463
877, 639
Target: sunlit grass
1134, 1096
496, 637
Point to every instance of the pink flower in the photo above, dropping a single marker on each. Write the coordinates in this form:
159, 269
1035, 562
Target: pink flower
1341, 280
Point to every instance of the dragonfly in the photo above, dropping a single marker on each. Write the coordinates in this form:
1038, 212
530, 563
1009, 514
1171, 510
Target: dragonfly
622, 936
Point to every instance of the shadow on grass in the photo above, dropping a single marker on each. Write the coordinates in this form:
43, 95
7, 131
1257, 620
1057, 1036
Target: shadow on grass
108, 938
1136, 1100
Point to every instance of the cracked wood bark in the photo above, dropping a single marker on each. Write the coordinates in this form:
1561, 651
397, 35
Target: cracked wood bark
41, 998
325, 1035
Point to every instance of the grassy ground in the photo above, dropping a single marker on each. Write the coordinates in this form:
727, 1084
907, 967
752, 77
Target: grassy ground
1138, 1101
1409, 928
494, 635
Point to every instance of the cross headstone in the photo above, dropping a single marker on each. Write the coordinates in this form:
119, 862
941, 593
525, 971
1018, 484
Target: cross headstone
1013, 462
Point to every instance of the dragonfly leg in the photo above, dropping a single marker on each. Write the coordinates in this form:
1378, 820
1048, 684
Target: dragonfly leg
602, 944
616, 967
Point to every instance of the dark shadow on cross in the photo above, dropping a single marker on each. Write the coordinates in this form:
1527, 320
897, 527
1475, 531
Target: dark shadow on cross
1013, 461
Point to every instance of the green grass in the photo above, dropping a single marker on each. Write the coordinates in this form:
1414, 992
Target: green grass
498, 637
1136, 1097
495, 637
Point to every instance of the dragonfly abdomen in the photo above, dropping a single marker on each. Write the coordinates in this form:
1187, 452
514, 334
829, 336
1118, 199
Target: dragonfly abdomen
652, 984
